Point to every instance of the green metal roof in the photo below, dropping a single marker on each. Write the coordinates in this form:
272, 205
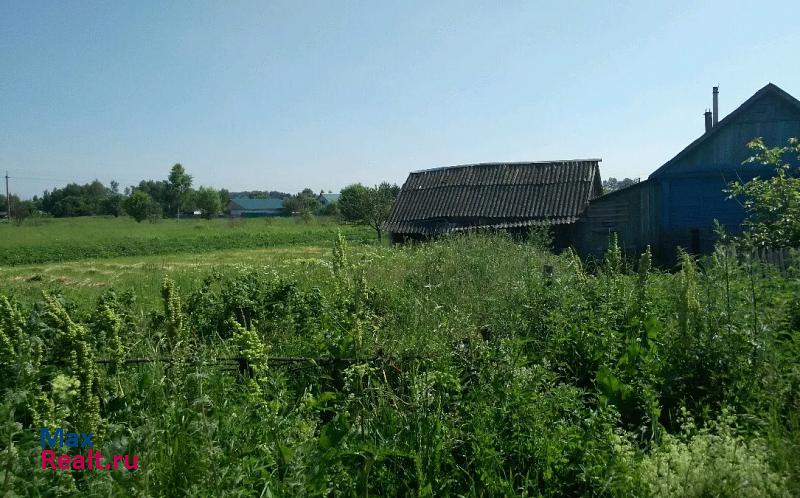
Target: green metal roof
248, 204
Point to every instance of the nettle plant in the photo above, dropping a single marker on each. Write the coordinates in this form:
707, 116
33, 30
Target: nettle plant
107, 326
76, 388
21, 355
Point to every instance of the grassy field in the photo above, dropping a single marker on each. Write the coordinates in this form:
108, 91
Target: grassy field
84, 281
68, 239
470, 366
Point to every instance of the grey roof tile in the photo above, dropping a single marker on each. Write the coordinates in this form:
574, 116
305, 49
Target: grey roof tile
497, 195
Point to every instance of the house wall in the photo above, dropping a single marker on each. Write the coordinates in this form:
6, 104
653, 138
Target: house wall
692, 187
721, 156
678, 204
256, 213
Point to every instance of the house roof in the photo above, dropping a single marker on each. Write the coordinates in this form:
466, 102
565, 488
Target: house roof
770, 88
248, 204
330, 197
497, 195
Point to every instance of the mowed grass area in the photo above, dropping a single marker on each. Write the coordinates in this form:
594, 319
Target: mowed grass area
83, 281
69, 239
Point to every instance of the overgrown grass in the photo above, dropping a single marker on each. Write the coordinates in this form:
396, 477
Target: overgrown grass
66, 239
470, 366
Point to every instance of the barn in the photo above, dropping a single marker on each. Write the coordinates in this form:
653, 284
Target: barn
679, 202
508, 196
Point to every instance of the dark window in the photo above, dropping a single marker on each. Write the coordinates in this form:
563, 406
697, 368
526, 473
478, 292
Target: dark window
694, 240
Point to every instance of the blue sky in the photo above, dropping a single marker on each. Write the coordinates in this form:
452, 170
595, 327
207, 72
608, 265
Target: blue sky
284, 95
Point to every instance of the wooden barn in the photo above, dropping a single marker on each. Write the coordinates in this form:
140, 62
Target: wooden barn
678, 204
508, 196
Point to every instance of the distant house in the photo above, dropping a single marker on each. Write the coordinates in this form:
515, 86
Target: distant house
509, 196
247, 207
328, 198
678, 203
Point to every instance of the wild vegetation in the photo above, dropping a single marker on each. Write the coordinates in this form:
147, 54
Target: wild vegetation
469, 366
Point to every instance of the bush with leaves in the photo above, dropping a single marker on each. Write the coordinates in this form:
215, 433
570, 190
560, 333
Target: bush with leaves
713, 460
140, 206
773, 204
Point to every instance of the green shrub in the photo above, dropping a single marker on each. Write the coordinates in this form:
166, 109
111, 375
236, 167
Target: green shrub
712, 461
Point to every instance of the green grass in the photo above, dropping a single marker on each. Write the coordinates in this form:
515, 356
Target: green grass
68, 239
83, 281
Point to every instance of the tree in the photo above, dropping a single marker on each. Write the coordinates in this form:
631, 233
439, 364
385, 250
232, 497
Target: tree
158, 191
112, 205
224, 198
14, 200
368, 205
208, 201
773, 204
328, 209
304, 203
141, 206
20, 210
612, 184
75, 200
179, 185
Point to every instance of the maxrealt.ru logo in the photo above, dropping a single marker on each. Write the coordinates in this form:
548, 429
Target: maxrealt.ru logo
91, 460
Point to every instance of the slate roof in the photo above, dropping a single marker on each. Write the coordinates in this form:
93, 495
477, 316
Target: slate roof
769, 88
330, 197
248, 204
495, 195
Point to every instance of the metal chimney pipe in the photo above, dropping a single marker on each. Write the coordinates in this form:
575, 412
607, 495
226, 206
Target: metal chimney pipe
716, 105
708, 120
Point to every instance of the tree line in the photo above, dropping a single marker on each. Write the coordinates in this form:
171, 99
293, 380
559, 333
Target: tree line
175, 196
151, 199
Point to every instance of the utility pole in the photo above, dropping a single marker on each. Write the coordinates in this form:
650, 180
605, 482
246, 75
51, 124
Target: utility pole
8, 201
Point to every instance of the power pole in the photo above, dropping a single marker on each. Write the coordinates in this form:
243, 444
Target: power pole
8, 201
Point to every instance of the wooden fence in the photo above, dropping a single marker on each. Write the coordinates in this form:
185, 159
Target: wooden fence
778, 259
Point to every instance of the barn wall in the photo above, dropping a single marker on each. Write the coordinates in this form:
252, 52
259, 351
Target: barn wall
629, 212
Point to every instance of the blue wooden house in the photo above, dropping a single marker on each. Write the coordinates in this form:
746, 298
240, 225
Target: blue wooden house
680, 201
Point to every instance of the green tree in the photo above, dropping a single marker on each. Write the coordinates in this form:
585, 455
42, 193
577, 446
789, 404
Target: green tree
208, 201
14, 200
328, 209
112, 205
612, 184
772, 204
224, 198
140, 206
179, 184
157, 190
21, 210
75, 200
304, 203
368, 205
189, 203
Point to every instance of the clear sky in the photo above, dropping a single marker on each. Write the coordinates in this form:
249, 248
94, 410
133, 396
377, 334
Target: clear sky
284, 95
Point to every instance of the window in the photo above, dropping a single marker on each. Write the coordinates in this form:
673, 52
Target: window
694, 241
